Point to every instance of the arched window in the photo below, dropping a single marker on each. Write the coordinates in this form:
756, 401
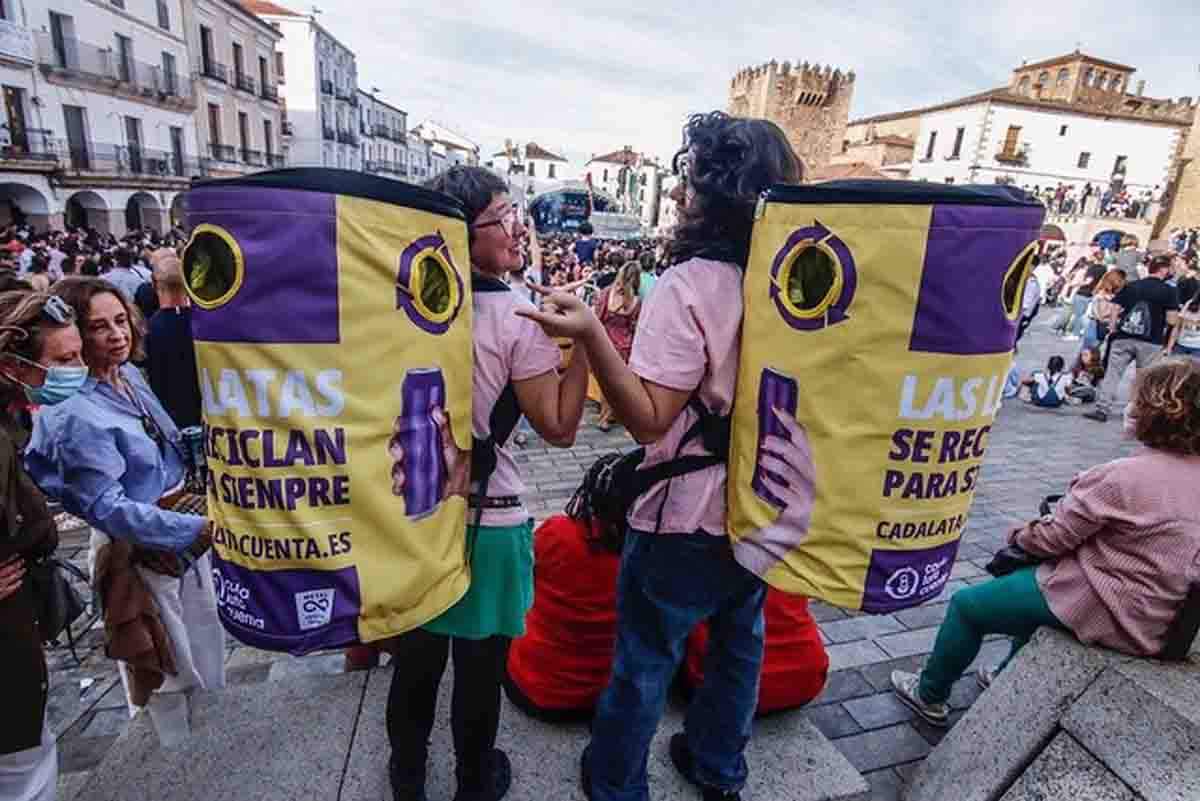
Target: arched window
1089, 77
1102, 80
1023, 85
1115, 84
1064, 75
1044, 78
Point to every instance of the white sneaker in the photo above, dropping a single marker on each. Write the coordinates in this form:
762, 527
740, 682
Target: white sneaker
985, 675
905, 685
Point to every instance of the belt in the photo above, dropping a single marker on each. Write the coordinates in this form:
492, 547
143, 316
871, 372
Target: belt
503, 502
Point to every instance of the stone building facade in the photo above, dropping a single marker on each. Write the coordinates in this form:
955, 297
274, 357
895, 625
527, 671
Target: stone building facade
811, 103
1183, 205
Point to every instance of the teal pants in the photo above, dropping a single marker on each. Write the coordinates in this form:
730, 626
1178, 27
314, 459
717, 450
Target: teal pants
1012, 605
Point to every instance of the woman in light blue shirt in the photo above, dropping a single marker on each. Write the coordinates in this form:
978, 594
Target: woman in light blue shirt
111, 455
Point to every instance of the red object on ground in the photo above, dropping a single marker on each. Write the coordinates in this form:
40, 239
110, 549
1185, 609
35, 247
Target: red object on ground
563, 661
795, 664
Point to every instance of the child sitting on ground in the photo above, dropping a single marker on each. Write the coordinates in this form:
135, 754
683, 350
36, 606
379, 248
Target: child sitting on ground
1086, 376
1048, 388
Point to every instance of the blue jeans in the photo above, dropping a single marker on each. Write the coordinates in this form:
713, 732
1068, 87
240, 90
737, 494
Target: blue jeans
1079, 307
668, 584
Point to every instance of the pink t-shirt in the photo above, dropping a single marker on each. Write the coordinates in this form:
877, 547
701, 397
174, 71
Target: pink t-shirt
507, 348
689, 336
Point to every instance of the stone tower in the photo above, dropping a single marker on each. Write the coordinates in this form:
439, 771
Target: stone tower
1184, 205
810, 103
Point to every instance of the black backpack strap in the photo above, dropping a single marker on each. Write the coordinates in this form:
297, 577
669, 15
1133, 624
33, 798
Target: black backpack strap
673, 468
486, 283
505, 414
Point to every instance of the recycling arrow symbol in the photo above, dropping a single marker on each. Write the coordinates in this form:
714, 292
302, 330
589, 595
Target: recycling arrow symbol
815, 235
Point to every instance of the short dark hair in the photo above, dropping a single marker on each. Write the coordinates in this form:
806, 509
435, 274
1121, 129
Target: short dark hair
585, 229
124, 257
1160, 263
473, 187
1056, 364
78, 293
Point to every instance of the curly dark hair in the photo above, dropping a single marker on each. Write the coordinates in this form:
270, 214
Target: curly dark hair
1166, 407
725, 163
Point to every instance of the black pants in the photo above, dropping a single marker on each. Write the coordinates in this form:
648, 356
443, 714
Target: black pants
419, 658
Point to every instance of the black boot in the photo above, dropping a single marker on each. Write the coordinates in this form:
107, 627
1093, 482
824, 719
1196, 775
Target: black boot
406, 786
489, 784
681, 758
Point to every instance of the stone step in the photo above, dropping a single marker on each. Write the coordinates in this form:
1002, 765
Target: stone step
322, 738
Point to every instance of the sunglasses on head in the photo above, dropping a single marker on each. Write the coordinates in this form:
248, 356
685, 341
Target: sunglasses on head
56, 309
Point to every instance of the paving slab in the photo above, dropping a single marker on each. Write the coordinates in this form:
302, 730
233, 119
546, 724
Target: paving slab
884, 748
1010, 723
1142, 720
278, 741
789, 759
910, 643
854, 654
1066, 770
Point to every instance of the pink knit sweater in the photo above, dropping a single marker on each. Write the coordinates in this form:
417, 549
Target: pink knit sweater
1126, 542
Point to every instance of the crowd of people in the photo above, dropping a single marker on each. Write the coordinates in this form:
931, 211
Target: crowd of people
99, 377
1068, 200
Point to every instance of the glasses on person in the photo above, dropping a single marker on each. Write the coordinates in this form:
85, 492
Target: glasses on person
507, 221
56, 309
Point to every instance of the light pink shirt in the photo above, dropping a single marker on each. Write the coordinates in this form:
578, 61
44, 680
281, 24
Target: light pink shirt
1126, 546
507, 348
689, 336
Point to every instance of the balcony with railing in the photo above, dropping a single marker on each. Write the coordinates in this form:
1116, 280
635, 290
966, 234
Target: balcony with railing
270, 92
214, 70
225, 153
327, 133
1017, 156
276, 160
99, 158
288, 128
29, 145
326, 86
381, 130
245, 83
347, 138
253, 157
68, 60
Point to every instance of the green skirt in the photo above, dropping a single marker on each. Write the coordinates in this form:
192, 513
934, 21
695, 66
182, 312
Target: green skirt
501, 589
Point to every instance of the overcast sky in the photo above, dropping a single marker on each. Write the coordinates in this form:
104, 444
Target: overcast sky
589, 77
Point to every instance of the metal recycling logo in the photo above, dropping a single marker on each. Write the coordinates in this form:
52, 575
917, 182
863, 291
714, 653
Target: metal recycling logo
834, 307
423, 254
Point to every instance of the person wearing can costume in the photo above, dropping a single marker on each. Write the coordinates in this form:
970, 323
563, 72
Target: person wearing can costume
510, 351
676, 568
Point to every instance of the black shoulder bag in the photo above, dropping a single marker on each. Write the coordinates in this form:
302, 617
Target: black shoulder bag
1012, 558
621, 483
57, 604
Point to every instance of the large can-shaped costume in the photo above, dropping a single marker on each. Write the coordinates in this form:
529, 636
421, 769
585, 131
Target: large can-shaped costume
332, 319
880, 316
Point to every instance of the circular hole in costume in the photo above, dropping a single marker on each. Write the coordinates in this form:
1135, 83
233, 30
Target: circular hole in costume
811, 280
1013, 290
433, 288
213, 266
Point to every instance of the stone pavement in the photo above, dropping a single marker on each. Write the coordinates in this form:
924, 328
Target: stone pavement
1033, 453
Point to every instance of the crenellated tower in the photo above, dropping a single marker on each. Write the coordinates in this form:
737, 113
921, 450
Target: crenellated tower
810, 102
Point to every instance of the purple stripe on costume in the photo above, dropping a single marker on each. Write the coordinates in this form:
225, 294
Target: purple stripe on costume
298, 611
288, 238
960, 309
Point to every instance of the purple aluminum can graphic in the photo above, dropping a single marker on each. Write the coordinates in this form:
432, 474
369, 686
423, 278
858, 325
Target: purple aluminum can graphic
775, 391
423, 390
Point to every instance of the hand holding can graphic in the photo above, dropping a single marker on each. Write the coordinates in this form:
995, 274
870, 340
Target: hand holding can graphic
427, 466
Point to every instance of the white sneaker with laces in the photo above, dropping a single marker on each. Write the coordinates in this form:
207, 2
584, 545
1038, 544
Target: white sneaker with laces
984, 676
906, 687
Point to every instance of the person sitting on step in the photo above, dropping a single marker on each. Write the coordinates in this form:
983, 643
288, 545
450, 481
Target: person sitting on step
1120, 551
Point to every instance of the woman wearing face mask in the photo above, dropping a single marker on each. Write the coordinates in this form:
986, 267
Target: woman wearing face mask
40, 364
112, 456
510, 352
